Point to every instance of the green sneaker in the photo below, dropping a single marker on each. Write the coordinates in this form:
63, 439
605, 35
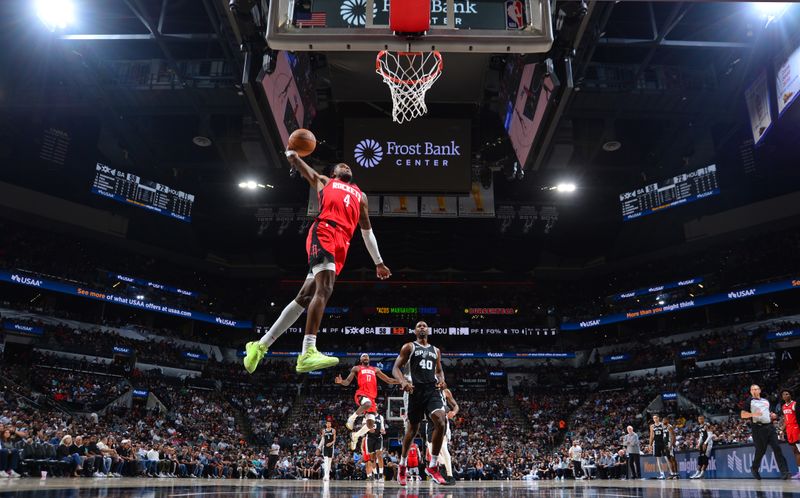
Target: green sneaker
314, 360
255, 352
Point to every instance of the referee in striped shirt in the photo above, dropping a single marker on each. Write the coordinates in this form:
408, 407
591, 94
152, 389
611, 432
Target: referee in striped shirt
763, 431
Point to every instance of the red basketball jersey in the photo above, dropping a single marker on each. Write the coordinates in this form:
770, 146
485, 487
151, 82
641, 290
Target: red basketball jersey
413, 455
367, 382
340, 203
790, 414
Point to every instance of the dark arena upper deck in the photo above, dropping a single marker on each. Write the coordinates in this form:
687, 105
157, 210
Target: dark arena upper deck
396, 249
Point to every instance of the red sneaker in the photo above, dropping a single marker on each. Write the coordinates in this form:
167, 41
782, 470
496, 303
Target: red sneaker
433, 473
401, 475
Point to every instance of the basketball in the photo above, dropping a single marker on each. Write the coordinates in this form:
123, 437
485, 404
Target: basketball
302, 141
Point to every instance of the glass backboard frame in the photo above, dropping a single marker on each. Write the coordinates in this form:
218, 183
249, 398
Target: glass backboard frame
535, 37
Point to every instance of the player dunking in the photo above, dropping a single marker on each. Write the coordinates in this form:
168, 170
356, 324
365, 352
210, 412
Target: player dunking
367, 378
326, 442
791, 429
425, 399
342, 205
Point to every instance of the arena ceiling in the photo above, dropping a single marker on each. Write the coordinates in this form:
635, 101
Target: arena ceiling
136, 80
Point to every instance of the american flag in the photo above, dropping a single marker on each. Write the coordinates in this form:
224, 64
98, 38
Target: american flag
309, 19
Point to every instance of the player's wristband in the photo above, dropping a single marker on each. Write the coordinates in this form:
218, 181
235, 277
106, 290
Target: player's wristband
372, 246
289, 153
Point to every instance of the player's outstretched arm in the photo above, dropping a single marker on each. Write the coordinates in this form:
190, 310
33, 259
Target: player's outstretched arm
313, 178
381, 270
386, 378
346, 382
399, 363
440, 383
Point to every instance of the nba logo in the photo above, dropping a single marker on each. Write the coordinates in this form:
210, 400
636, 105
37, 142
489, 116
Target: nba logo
515, 14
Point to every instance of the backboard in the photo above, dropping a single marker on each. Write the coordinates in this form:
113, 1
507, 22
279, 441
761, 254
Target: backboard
485, 26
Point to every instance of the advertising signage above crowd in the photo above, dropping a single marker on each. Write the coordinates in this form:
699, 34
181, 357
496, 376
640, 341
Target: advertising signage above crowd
756, 290
151, 284
23, 329
32, 280
401, 330
657, 288
536, 355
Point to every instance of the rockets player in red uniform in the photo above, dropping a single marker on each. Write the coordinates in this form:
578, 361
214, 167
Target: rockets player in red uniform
342, 206
791, 428
413, 461
367, 378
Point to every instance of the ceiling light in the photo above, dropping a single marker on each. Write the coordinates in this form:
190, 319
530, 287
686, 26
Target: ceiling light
252, 185
660, 301
55, 14
202, 141
565, 187
140, 297
612, 146
771, 9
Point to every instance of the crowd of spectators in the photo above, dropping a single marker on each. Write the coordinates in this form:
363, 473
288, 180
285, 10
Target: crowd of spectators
725, 343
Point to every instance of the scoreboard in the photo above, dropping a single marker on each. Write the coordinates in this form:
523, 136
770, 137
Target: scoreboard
679, 189
131, 189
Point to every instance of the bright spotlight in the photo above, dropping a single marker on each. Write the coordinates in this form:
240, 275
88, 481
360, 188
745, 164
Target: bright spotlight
252, 185
140, 297
565, 187
771, 9
55, 14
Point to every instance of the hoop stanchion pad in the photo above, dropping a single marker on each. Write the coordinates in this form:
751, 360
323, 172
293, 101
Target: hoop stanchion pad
409, 75
410, 16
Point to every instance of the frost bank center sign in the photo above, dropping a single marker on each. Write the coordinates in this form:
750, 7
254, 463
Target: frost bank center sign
432, 156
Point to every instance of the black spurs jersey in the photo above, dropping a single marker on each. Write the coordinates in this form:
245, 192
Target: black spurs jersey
667, 437
660, 435
378, 427
327, 434
703, 433
422, 364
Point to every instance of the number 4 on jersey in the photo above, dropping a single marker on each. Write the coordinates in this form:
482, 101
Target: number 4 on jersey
347, 200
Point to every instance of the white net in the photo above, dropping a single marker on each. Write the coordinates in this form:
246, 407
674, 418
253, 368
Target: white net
409, 76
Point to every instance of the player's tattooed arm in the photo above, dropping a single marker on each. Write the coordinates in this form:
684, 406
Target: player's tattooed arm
348, 380
440, 383
399, 363
313, 178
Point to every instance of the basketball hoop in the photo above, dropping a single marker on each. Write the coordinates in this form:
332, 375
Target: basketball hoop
409, 75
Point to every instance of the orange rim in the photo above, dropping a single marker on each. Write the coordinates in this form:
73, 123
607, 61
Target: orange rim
395, 79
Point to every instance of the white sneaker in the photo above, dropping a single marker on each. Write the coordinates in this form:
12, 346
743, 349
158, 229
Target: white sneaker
353, 441
13, 474
351, 421
4, 474
700, 475
98, 474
